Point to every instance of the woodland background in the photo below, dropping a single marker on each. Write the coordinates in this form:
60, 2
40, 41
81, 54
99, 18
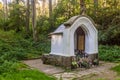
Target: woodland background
25, 25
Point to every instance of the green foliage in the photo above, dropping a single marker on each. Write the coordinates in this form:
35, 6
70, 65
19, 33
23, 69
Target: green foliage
15, 20
106, 16
43, 25
2, 20
17, 46
14, 46
117, 69
109, 53
26, 75
64, 10
111, 35
11, 66
17, 17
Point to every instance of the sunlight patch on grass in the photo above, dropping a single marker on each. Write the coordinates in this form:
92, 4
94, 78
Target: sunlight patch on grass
26, 75
117, 69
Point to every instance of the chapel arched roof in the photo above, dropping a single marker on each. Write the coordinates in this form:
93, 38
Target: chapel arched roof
68, 23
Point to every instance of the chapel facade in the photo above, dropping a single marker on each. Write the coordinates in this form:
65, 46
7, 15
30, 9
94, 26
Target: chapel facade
73, 40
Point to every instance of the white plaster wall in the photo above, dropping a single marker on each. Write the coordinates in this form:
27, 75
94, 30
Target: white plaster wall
91, 45
57, 44
64, 44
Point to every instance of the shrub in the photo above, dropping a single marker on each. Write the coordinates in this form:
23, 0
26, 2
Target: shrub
109, 53
15, 46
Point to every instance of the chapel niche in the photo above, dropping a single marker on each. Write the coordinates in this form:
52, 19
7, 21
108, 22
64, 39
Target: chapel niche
79, 41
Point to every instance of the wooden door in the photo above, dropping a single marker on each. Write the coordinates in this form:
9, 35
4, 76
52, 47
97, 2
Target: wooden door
81, 42
80, 39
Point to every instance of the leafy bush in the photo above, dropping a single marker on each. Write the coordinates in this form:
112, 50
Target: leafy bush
109, 53
111, 35
14, 46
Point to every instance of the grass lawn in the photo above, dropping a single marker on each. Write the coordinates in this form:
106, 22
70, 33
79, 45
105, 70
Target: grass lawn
117, 69
26, 75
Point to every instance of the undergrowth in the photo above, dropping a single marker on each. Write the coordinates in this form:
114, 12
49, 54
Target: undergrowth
15, 46
109, 53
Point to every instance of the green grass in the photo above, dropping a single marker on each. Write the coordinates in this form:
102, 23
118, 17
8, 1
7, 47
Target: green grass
14, 47
117, 69
26, 75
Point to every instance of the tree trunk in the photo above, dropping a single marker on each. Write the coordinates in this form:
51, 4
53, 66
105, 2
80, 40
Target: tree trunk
95, 6
18, 20
43, 7
5, 9
55, 3
50, 13
115, 4
96, 3
34, 27
82, 7
27, 17
50, 8
17, 1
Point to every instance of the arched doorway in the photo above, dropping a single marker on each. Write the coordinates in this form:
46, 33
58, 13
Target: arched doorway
79, 39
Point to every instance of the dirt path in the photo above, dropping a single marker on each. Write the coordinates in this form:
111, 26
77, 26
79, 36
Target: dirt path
102, 72
37, 63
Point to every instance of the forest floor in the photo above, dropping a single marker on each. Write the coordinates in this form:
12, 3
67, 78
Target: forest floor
101, 72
